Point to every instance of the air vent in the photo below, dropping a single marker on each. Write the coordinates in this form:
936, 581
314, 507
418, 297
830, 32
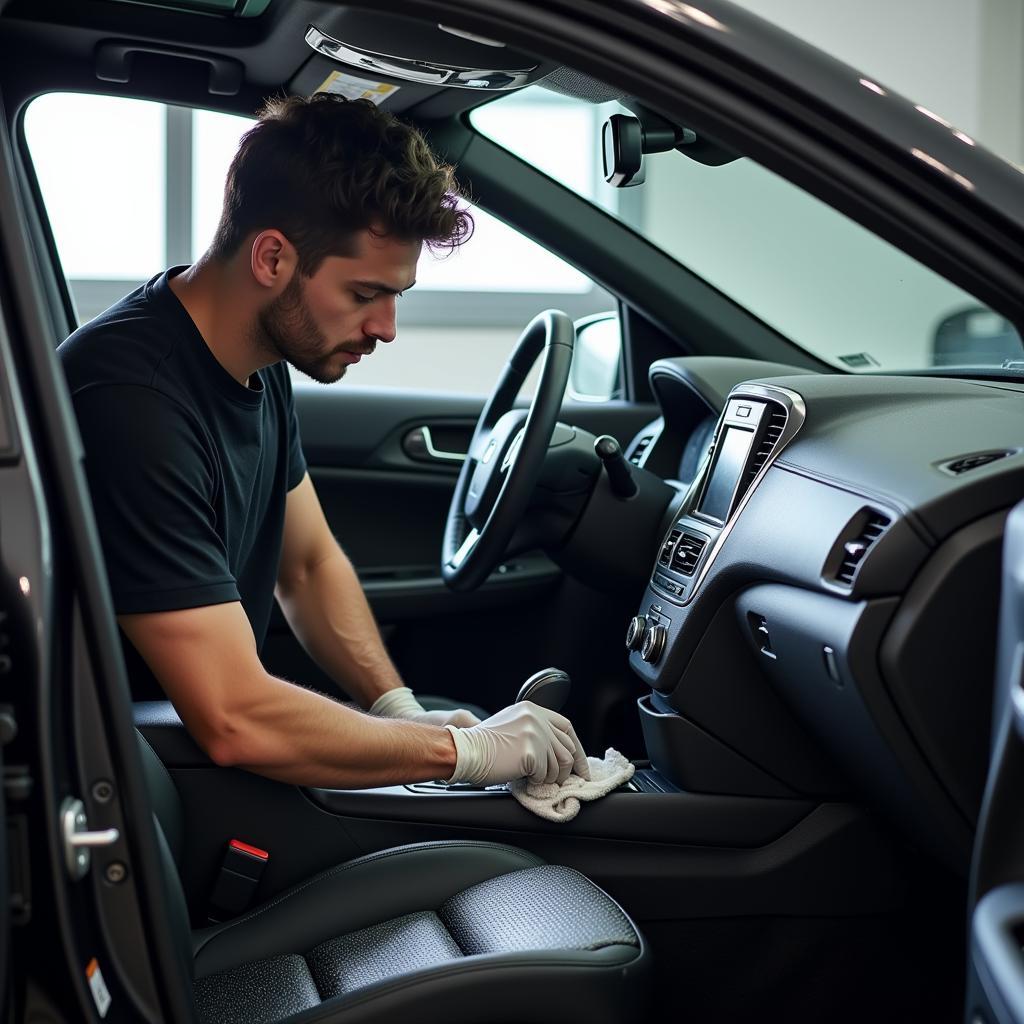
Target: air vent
687, 553
777, 417
636, 456
854, 550
665, 558
976, 460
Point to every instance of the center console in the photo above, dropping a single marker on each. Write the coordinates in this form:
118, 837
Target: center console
756, 424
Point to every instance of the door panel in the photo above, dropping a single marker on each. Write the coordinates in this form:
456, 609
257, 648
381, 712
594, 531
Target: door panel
388, 508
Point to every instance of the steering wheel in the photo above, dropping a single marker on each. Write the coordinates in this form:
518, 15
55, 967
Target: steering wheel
506, 454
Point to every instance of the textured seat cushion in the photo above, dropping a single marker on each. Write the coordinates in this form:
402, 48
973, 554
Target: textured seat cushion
517, 926
384, 950
548, 907
258, 992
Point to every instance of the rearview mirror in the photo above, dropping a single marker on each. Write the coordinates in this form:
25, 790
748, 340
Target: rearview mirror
625, 139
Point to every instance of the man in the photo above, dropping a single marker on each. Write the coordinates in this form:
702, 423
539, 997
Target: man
204, 506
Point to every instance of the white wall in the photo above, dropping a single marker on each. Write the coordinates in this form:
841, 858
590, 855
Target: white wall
959, 58
461, 359
817, 277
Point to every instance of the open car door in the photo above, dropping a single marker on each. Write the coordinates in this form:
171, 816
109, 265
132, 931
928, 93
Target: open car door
84, 935
995, 990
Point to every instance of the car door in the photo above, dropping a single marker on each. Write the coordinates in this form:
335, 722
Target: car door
83, 931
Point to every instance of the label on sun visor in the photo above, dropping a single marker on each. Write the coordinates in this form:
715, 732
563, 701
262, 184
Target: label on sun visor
353, 88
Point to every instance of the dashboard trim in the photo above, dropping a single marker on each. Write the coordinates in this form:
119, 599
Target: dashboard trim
797, 414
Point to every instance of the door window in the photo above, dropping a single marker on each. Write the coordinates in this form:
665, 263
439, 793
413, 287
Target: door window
145, 192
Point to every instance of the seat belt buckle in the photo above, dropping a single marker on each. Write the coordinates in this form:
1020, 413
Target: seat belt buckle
236, 884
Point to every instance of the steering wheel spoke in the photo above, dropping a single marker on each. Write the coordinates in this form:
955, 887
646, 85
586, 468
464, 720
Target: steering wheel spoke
482, 445
466, 547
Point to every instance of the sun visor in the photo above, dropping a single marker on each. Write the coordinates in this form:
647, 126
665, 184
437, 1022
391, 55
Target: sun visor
383, 48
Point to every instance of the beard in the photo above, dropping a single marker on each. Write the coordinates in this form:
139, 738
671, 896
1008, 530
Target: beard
286, 328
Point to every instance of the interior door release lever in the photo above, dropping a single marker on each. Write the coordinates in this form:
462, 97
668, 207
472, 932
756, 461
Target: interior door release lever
419, 444
78, 840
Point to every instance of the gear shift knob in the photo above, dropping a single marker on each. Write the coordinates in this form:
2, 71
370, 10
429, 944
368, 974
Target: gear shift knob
548, 688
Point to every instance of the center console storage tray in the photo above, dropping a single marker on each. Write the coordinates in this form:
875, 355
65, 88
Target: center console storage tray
697, 762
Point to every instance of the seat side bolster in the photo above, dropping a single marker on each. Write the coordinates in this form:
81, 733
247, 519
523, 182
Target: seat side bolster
604, 986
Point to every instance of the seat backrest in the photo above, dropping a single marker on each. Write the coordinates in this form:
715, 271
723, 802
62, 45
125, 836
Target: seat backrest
169, 818
163, 795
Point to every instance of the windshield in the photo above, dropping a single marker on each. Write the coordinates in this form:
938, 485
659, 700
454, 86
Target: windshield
817, 277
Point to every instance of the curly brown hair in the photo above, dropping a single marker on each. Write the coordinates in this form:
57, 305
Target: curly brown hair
323, 169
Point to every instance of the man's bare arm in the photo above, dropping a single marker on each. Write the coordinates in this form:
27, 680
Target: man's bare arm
242, 716
324, 603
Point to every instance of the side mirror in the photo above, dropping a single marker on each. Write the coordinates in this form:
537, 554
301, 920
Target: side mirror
975, 336
596, 371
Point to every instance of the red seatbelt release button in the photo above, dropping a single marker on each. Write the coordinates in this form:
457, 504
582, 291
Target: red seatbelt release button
239, 876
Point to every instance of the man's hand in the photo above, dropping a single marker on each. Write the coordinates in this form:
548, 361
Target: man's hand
400, 703
523, 740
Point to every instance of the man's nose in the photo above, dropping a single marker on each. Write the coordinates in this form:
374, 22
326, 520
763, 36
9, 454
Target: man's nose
382, 322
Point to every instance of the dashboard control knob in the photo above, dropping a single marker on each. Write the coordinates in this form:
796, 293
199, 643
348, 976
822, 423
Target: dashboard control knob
635, 632
653, 644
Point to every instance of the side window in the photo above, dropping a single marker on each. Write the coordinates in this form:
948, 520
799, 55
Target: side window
145, 193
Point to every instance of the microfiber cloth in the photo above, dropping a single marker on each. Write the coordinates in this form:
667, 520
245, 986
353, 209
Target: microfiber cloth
562, 802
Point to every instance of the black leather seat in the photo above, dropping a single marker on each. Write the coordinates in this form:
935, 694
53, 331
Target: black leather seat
446, 931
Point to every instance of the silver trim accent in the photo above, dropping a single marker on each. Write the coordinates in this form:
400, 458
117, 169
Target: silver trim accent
554, 680
78, 841
797, 409
513, 450
437, 453
635, 632
464, 548
463, 34
653, 645
422, 72
1017, 697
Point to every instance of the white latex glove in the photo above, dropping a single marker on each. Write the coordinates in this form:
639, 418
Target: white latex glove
523, 740
400, 703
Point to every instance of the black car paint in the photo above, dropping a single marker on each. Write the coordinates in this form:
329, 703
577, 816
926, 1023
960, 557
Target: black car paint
973, 236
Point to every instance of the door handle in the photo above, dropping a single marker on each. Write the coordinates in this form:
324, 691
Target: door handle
114, 59
78, 840
419, 444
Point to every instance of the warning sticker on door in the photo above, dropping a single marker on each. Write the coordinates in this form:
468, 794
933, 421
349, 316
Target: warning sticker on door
353, 88
98, 987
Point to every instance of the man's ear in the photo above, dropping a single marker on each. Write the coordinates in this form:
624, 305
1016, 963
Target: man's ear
273, 259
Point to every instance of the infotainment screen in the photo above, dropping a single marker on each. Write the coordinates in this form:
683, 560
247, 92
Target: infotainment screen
730, 460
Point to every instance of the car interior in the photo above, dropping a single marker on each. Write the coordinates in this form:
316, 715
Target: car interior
770, 565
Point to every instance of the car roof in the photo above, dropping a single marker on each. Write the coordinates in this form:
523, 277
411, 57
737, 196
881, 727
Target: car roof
67, 43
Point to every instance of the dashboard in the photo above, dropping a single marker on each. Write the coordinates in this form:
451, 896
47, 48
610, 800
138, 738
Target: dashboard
821, 614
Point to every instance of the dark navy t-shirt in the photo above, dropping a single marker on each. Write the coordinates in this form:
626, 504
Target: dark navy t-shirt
188, 469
